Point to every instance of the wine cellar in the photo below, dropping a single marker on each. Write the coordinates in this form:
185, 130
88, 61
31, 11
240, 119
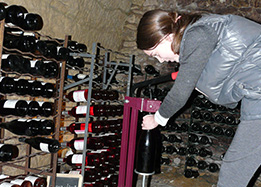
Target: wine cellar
74, 92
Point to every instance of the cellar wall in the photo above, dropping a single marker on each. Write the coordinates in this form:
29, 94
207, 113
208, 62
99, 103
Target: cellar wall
86, 21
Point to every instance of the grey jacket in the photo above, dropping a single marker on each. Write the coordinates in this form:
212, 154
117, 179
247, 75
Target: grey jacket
233, 70
220, 56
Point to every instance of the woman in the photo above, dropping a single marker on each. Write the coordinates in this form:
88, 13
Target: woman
220, 56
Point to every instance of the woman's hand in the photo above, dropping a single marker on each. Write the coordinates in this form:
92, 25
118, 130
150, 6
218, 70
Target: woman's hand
149, 122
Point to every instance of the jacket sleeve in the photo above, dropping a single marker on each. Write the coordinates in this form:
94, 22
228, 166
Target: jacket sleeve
199, 43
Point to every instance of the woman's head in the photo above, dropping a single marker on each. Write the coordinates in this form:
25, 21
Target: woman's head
157, 25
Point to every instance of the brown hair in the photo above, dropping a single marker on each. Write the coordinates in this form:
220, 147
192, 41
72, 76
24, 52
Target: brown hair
155, 25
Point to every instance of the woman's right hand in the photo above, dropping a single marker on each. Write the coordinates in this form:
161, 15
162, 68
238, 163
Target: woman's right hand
149, 122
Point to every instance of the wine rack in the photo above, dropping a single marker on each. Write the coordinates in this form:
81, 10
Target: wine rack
31, 160
107, 70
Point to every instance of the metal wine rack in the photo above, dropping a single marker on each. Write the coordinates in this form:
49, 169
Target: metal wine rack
31, 160
106, 64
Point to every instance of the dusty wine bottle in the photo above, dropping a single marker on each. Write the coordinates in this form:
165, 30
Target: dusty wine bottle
15, 14
22, 87
8, 152
2, 11
7, 85
42, 144
22, 183
13, 107
35, 180
32, 21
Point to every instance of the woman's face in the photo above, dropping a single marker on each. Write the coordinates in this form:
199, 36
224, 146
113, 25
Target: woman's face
163, 51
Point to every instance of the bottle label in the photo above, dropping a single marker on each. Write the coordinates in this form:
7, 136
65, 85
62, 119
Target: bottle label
5, 184
2, 176
82, 131
77, 159
81, 110
10, 103
78, 144
32, 179
1, 145
17, 181
81, 76
33, 62
44, 147
23, 120
40, 103
1, 78
4, 56
78, 96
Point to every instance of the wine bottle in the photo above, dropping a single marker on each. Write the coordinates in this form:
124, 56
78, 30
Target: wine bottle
32, 21
6, 184
79, 76
149, 69
8, 152
146, 153
190, 173
13, 107
192, 150
78, 143
21, 127
195, 126
184, 127
36, 88
22, 43
79, 128
62, 53
15, 14
42, 144
196, 114
33, 108
37, 67
95, 110
205, 140
207, 129
7, 85
213, 167
2, 11
217, 130
219, 118
48, 90
230, 120
51, 69
229, 132
22, 87
82, 95
173, 138
202, 164
47, 109
170, 149
190, 161
22, 183
204, 152
207, 116
35, 180
182, 151
77, 160
193, 138
11, 62
75, 62
165, 161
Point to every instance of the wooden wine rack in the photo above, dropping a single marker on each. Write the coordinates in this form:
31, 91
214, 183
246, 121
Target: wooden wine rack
24, 164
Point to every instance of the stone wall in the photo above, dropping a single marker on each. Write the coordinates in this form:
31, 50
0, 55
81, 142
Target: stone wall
86, 21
